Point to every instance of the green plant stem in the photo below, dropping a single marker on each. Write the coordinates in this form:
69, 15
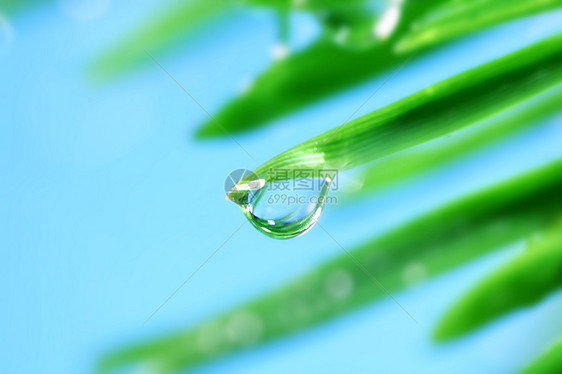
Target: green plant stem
426, 246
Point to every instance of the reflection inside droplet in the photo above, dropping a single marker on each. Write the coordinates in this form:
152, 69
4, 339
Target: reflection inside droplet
285, 208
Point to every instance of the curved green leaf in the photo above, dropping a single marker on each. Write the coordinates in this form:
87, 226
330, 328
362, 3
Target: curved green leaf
524, 281
325, 68
550, 362
428, 245
304, 77
297, 81
418, 160
456, 19
445, 107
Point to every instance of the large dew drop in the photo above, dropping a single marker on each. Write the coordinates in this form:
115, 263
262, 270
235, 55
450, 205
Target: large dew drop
283, 209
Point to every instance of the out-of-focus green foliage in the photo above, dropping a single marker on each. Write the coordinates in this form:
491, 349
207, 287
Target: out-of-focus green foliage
415, 161
313, 5
328, 66
159, 35
180, 20
522, 282
11, 6
550, 362
351, 41
297, 81
427, 114
429, 245
457, 18
350, 50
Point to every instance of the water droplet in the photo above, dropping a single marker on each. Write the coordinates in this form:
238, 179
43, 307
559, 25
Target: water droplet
282, 209
339, 284
244, 328
210, 338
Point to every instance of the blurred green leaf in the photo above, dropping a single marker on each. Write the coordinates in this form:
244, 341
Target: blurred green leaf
297, 81
323, 68
522, 282
158, 35
13, 6
459, 18
418, 160
326, 67
426, 246
550, 362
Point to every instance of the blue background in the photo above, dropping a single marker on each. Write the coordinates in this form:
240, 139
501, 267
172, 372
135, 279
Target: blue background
107, 203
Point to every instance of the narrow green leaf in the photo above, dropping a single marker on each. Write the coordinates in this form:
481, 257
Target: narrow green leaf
297, 81
550, 362
445, 107
523, 282
463, 17
428, 245
418, 160
326, 67
323, 68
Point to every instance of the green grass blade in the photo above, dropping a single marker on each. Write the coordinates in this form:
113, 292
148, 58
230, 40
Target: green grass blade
456, 19
428, 245
418, 160
445, 107
523, 282
550, 362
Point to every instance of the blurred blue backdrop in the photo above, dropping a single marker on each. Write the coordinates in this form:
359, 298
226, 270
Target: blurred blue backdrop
107, 204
